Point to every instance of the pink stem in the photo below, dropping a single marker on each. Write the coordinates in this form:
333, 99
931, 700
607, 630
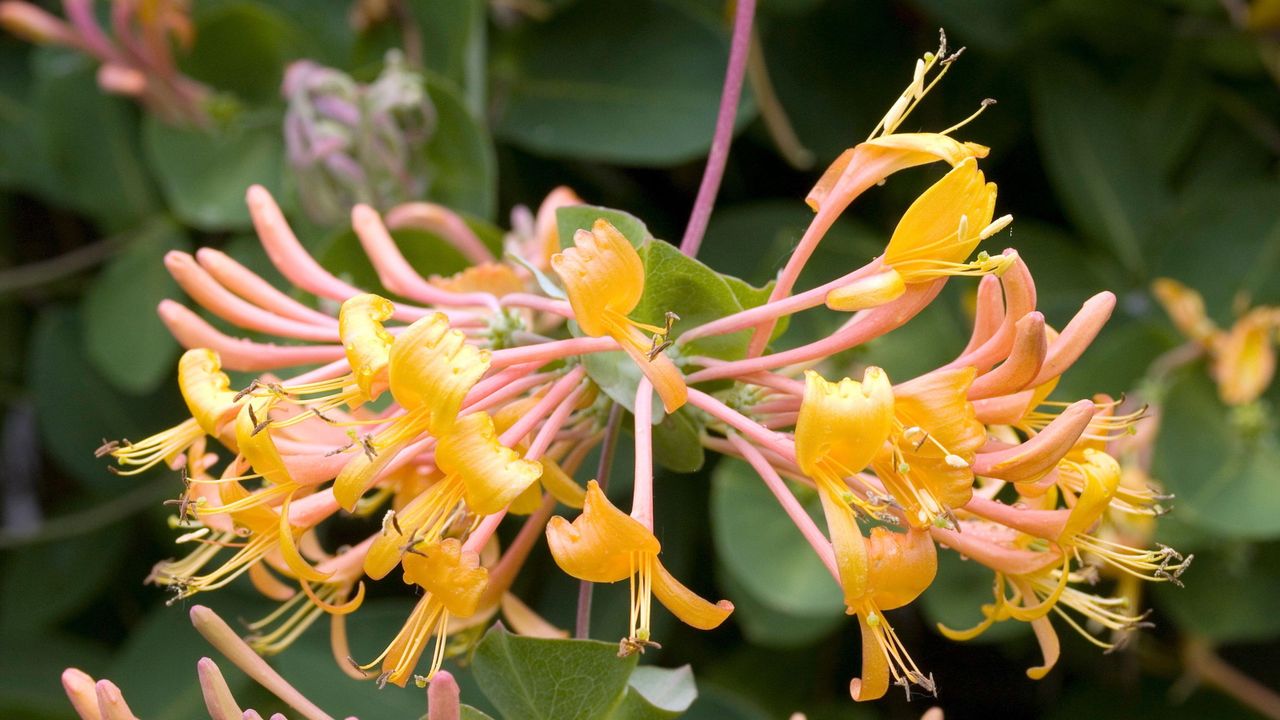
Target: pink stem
547, 352
776, 442
777, 308
875, 323
191, 331
211, 295
548, 432
642, 493
537, 302
794, 509
443, 222
250, 286
719, 155
554, 397
395, 272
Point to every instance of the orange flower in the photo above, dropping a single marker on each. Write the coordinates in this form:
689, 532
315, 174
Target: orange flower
604, 278
606, 545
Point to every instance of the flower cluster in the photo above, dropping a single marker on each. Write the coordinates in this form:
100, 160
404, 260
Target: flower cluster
468, 399
136, 59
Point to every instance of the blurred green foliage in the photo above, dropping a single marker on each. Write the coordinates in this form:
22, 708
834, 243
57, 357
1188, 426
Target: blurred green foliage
1131, 141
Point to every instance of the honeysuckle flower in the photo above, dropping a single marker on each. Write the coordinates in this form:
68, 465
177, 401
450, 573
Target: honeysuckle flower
455, 404
606, 545
1242, 360
453, 582
933, 441
934, 238
841, 427
137, 62
604, 278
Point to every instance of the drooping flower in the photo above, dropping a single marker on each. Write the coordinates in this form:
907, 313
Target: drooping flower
606, 545
604, 278
1242, 360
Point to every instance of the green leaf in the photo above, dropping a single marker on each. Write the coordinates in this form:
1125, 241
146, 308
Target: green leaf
573, 218
763, 550
89, 142
677, 441
77, 407
464, 170
631, 82
1096, 160
241, 47
125, 339
538, 679
470, 713
1245, 614
29, 681
43, 584
204, 173
1222, 472
656, 693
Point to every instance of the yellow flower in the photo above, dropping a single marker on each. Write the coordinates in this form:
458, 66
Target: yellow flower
840, 429
901, 565
934, 238
934, 438
430, 369
604, 278
366, 341
1243, 359
454, 582
212, 403
477, 470
606, 545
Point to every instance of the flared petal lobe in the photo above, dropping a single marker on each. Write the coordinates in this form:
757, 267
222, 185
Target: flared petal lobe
603, 277
598, 545
206, 390
492, 474
366, 342
448, 572
943, 225
843, 424
431, 368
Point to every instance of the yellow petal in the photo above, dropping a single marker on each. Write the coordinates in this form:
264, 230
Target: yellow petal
1101, 475
562, 487
366, 341
603, 277
927, 232
662, 373
875, 667
685, 603
1244, 359
206, 389
867, 292
494, 278
431, 367
845, 423
847, 542
597, 546
526, 621
258, 448
1185, 308
452, 575
494, 475
872, 161
900, 566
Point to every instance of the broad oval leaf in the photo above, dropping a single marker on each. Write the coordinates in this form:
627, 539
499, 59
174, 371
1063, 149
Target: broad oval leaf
634, 82
125, 339
539, 679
